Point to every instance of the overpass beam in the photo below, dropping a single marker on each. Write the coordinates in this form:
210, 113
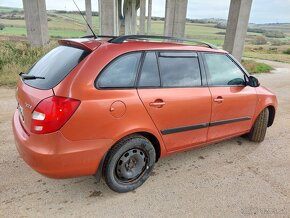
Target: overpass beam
108, 12
89, 16
175, 17
237, 26
149, 17
36, 22
142, 16
130, 12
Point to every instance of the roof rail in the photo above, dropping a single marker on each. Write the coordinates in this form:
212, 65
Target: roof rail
99, 36
121, 39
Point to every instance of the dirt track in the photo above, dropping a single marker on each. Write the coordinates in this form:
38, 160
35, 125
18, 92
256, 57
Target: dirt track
234, 178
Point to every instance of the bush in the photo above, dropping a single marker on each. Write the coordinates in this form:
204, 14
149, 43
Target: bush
273, 49
2, 26
197, 21
256, 30
51, 15
259, 40
221, 26
287, 51
274, 34
277, 42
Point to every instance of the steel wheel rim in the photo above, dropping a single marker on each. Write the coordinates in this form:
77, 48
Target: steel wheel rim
131, 165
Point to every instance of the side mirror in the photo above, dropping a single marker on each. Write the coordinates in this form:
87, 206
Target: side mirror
253, 81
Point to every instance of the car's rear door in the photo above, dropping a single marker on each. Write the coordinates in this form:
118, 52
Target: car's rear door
233, 102
171, 89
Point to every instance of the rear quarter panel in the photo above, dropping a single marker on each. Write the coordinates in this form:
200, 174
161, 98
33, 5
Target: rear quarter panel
93, 119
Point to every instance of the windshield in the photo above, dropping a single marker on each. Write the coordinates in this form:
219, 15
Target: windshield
55, 66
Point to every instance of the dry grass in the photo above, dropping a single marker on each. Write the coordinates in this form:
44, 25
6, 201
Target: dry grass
16, 57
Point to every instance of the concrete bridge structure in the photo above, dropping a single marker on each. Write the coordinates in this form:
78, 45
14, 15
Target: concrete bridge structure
114, 16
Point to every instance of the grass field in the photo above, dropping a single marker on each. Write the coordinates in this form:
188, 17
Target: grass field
73, 25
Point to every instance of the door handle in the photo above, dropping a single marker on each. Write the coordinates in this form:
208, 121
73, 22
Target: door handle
219, 99
157, 103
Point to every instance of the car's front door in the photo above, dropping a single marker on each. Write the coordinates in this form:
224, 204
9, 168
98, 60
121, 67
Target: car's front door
170, 87
233, 102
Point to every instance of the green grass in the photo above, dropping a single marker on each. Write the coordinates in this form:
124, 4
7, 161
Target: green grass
8, 9
56, 33
74, 26
254, 67
13, 31
66, 33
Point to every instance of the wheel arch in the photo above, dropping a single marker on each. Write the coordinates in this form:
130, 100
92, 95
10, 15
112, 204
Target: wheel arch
155, 142
150, 136
147, 134
272, 112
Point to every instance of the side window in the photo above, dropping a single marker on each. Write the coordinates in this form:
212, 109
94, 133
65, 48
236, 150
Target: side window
121, 73
223, 71
179, 69
149, 73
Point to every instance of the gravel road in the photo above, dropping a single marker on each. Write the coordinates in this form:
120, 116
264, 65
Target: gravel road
235, 178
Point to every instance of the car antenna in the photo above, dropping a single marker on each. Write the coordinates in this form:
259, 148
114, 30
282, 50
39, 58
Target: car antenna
85, 20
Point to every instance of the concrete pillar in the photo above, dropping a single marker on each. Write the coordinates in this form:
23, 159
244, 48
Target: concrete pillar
237, 26
149, 16
142, 16
130, 10
36, 22
108, 12
175, 18
89, 16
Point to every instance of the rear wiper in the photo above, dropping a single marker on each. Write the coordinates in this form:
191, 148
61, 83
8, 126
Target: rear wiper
29, 77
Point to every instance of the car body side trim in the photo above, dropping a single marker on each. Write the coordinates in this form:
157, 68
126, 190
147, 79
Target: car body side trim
202, 125
184, 128
221, 122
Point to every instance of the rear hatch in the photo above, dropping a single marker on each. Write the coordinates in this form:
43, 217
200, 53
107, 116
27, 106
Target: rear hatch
38, 82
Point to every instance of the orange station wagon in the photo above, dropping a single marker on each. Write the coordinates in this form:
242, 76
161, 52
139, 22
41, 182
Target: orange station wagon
111, 107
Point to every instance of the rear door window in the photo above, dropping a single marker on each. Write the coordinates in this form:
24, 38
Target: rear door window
179, 69
121, 73
55, 66
149, 74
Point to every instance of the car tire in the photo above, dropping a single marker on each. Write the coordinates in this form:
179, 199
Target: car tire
129, 163
258, 131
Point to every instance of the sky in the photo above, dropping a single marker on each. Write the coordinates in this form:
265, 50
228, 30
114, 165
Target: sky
263, 11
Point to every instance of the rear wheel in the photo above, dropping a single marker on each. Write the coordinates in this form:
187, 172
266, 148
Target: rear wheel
129, 163
258, 131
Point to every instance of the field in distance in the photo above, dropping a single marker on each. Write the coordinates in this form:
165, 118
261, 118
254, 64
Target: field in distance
267, 41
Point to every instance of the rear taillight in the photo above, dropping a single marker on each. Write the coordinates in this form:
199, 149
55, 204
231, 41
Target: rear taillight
52, 113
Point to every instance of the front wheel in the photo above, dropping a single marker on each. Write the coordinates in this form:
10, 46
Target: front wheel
129, 163
258, 131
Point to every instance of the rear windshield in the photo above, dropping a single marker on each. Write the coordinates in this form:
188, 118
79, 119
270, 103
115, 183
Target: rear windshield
55, 66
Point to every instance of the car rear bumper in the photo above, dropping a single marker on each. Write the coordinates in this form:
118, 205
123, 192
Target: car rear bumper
57, 157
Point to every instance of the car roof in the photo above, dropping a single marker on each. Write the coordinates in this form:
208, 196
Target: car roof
135, 45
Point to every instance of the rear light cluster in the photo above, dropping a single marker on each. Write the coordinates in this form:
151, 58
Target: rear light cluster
52, 113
